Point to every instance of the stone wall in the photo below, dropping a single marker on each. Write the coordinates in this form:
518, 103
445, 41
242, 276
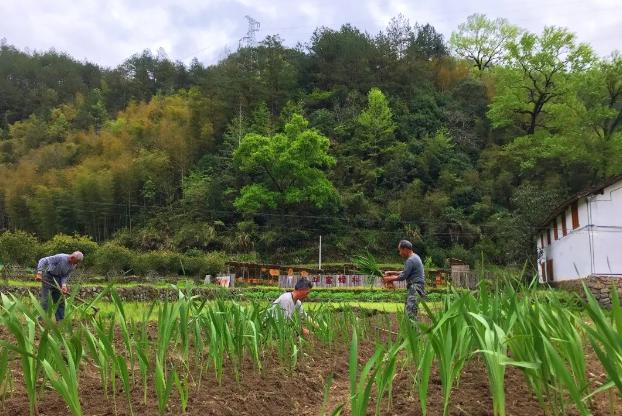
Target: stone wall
600, 286
143, 293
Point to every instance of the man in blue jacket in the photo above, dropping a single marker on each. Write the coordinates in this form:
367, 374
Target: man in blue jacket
53, 272
413, 274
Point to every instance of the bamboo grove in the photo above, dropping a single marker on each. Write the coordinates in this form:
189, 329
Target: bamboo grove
462, 145
192, 340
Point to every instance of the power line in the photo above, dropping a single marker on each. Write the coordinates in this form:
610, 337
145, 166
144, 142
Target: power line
346, 220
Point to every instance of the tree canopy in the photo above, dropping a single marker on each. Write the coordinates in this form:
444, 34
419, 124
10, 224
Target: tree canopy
461, 146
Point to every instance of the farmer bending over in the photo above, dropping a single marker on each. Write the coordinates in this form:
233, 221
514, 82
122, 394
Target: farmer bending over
53, 272
414, 276
290, 302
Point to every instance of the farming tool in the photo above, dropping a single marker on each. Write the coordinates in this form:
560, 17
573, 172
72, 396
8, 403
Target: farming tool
79, 299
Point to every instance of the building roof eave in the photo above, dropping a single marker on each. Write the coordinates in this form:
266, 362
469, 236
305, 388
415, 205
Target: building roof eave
590, 191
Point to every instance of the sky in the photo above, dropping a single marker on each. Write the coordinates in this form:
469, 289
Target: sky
107, 32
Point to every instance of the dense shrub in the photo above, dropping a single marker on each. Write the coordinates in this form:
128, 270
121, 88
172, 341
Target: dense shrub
63, 243
202, 264
164, 262
19, 248
459, 252
195, 236
151, 238
112, 258
159, 262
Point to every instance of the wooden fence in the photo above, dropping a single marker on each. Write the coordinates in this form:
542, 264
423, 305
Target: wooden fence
468, 279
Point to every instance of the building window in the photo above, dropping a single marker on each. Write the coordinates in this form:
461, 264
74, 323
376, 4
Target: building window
575, 215
542, 240
548, 236
555, 232
543, 269
564, 228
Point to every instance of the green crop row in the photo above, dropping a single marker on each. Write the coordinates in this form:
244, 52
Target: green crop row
528, 329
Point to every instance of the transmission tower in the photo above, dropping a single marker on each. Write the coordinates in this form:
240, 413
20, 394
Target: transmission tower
248, 61
249, 42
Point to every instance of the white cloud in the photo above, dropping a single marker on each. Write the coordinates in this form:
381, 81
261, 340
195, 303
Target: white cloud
109, 31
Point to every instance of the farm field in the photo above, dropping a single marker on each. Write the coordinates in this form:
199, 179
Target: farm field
509, 352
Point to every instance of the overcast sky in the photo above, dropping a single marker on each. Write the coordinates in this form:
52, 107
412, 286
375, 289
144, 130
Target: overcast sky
108, 31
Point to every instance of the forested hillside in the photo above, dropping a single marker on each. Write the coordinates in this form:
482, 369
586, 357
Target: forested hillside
462, 145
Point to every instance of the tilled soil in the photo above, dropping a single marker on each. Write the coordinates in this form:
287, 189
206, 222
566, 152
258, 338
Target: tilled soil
278, 391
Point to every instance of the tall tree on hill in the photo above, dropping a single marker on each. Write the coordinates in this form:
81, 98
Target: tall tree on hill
600, 92
399, 34
342, 59
538, 76
483, 41
376, 128
363, 157
278, 71
427, 43
286, 169
36, 83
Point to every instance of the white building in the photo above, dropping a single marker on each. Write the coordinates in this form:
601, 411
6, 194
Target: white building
583, 236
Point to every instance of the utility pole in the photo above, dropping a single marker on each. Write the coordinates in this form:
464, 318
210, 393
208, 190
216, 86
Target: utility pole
240, 124
129, 208
320, 255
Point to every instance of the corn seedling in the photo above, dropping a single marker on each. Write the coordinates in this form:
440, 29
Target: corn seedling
451, 340
606, 338
326, 393
361, 382
5, 374
422, 377
384, 377
564, 344
493, 346
121, 364
163, 384
30, 355
62, 371
182, 390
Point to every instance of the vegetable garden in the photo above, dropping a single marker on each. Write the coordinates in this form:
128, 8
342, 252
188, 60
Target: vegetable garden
507, 351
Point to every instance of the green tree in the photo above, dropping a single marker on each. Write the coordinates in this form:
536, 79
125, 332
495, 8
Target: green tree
371, 146
600, 95
483, 41
376, 128
91, 111
399, 34
538, 78
286, 169
278, 71
426, 43
261, 122
343, 58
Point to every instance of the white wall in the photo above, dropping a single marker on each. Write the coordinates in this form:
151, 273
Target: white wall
607, 251
571, 255
606, 233
593, 248
605, 209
